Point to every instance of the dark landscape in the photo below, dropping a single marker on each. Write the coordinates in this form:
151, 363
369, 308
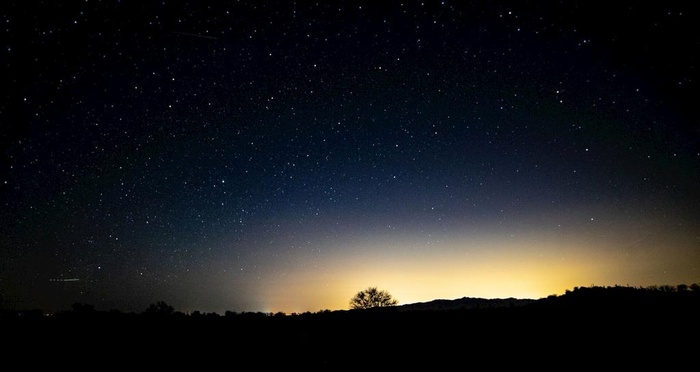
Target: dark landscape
596, 327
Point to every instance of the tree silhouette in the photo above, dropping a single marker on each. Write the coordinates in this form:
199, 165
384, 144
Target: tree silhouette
160, 308
83, 308
372, 297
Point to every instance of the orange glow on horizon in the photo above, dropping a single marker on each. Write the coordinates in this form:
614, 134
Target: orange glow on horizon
490, 268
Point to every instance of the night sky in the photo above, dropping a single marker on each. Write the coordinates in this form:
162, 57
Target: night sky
282, 156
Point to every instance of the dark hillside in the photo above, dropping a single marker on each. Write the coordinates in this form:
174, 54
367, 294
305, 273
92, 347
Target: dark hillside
466, 303
587, 327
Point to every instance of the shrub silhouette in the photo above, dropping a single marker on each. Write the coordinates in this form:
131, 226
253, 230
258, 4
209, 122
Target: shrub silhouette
160, 308
83, 308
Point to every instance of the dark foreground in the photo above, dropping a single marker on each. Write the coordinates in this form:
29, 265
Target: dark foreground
585, 330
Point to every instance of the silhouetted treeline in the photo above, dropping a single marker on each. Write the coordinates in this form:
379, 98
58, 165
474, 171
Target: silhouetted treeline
615, 327
586, 297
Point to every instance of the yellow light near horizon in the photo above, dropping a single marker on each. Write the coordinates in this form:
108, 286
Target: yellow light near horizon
491, 267
418, 278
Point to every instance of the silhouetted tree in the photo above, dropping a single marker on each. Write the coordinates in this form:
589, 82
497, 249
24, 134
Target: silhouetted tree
160, 308
372, 297
667, 288
83, 308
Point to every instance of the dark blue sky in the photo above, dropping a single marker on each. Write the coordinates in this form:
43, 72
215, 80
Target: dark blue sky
280, 156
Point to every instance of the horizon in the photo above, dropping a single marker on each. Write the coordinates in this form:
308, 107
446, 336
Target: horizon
657, 287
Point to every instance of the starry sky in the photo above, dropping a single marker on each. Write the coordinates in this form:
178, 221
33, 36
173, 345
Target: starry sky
282, 156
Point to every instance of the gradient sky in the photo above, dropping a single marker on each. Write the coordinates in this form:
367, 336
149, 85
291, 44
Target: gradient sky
282, 156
